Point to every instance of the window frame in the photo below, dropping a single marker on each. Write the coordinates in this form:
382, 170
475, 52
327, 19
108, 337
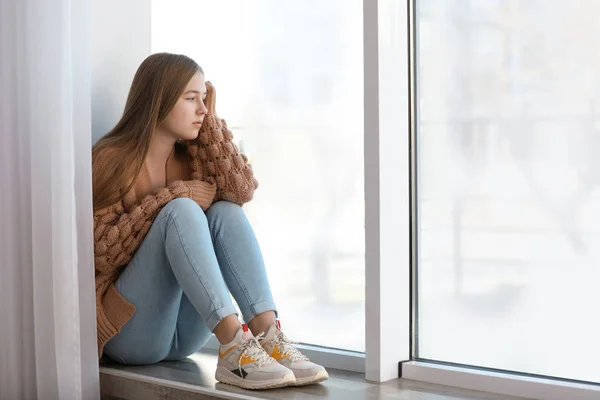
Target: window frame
387, 200
461, 376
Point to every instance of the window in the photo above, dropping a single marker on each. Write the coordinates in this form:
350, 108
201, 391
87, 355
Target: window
508, 178
289, 77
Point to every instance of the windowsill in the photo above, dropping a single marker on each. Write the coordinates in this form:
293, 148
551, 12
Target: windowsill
193, 378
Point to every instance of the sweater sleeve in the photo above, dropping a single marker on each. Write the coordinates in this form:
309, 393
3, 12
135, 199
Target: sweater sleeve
118, 234
214, 155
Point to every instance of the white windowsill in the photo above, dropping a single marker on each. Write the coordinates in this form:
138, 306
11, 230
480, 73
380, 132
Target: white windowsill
201, 390
501, 383
329, 358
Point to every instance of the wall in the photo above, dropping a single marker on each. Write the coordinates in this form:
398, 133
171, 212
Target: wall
120, 42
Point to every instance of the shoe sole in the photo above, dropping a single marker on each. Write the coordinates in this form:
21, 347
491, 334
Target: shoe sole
225, 376
311, 380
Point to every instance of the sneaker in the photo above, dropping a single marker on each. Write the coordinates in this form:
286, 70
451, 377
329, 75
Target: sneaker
244, 363
281, 349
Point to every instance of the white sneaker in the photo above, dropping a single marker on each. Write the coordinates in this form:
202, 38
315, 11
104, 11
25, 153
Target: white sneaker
244, 363
281, 349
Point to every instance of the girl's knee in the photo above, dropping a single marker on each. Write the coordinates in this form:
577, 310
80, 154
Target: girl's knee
185, 207
224, 208
182, 203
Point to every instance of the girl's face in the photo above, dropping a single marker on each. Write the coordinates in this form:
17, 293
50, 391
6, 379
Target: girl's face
184, 120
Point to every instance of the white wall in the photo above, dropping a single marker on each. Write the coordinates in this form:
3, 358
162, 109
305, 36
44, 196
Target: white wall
120, 42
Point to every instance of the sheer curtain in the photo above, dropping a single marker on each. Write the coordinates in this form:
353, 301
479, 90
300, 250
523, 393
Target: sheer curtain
47, 307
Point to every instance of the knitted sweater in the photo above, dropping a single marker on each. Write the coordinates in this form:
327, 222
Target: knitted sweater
213, 154
119, 229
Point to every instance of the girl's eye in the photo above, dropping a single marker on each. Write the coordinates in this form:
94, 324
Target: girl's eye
191, 98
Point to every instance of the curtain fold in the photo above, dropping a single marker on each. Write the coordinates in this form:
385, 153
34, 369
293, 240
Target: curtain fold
47, 306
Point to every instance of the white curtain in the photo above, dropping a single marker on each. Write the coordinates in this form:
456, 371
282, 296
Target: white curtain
47, 308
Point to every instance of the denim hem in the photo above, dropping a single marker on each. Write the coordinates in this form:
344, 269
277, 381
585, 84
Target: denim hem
254, 309
218, 315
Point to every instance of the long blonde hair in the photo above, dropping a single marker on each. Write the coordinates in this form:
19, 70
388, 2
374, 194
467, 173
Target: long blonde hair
156, 87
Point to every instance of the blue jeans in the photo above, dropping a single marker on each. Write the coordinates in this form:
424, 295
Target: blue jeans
180, 281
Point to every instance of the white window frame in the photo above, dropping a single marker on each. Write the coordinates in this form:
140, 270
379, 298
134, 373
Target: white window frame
386, 166
510, 384
387, 217
473, 378
387, 188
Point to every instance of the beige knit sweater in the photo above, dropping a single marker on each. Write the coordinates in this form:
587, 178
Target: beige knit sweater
120, 228
213, 154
